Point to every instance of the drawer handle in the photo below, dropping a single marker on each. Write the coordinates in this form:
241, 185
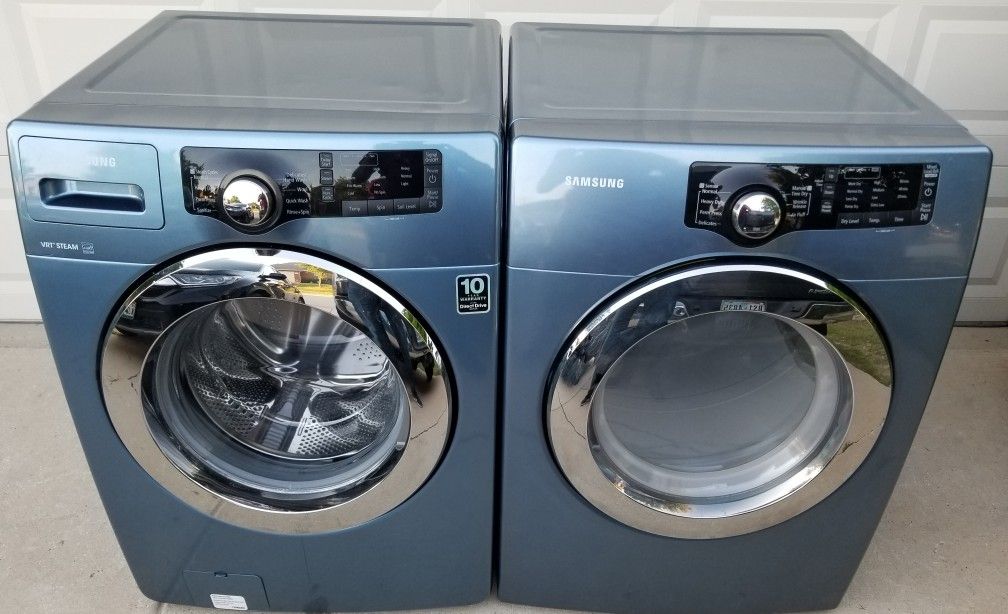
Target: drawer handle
99, 195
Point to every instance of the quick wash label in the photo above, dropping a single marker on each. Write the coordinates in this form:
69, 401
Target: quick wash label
473, 293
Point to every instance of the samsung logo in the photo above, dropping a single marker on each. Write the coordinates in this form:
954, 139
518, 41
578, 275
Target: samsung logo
594, 182
103, 161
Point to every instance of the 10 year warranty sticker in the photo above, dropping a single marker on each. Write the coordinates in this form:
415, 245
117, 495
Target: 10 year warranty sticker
473, 293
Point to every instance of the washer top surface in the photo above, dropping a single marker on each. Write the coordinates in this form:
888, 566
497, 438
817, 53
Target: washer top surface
693, 83
294, 72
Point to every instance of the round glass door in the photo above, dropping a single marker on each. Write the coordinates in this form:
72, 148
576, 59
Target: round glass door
299, 395
719, 400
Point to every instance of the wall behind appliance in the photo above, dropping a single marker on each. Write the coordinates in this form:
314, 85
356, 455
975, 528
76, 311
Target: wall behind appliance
954, 52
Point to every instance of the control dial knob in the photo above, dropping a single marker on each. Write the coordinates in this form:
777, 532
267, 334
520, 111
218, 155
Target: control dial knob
248, 202
756, 215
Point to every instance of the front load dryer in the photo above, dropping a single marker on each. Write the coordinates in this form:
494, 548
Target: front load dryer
265, 250
734, 258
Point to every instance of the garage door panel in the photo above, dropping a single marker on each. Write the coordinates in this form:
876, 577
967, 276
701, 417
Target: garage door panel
957, 46
17, 299
402, 8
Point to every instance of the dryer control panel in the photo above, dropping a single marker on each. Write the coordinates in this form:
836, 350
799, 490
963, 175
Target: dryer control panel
254, 189
753, 203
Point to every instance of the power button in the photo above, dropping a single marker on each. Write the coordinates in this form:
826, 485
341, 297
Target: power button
929, 184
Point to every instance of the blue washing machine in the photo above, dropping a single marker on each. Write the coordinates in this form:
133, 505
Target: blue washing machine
734, 260
266, 252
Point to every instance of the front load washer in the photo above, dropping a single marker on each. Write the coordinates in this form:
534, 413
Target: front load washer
734, 259
265, 250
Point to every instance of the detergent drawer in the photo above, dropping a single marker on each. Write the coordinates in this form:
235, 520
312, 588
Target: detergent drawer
91, 182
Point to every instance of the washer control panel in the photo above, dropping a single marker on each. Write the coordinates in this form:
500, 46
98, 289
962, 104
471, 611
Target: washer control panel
752, 203
254, 189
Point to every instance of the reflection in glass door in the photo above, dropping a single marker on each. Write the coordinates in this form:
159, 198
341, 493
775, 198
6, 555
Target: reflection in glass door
297, 394
718, 400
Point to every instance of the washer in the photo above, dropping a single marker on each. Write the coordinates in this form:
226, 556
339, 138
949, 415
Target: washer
249, 237
734, 260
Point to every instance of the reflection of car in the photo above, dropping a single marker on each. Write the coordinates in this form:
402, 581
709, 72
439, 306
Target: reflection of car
244, 213
239, 211
193, 287
786, 297
815, 307
387, 336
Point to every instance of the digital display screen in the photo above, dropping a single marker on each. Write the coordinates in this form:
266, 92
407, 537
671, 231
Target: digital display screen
861, 172
366, 175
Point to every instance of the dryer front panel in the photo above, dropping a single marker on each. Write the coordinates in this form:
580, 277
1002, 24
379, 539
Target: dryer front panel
718, 400
276, 390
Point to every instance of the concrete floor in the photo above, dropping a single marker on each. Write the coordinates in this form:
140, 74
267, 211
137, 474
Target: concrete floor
942, 545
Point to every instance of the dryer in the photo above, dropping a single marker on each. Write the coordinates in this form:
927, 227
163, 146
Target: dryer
734, 258
265, 250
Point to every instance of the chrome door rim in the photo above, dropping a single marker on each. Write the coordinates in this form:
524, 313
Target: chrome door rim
430, 419
568, 416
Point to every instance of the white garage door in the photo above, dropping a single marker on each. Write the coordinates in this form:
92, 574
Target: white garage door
957, 53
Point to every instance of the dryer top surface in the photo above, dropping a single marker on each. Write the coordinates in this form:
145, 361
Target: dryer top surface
691, 85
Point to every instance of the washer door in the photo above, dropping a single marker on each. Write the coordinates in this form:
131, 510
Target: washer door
718, 400
298, 395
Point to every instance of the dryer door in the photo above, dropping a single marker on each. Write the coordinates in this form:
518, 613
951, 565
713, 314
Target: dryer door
718, 400
298, 395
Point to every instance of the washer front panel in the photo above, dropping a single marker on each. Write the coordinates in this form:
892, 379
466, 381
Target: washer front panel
718, 400
272, 409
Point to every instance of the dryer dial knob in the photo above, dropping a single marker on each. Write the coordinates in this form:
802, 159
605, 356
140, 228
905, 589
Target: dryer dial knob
756, 215
248, 202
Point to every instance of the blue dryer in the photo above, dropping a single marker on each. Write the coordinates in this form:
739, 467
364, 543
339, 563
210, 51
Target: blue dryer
734, 258
266, 254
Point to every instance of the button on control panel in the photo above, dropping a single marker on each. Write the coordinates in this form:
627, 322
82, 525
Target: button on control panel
314, 183
811, 196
